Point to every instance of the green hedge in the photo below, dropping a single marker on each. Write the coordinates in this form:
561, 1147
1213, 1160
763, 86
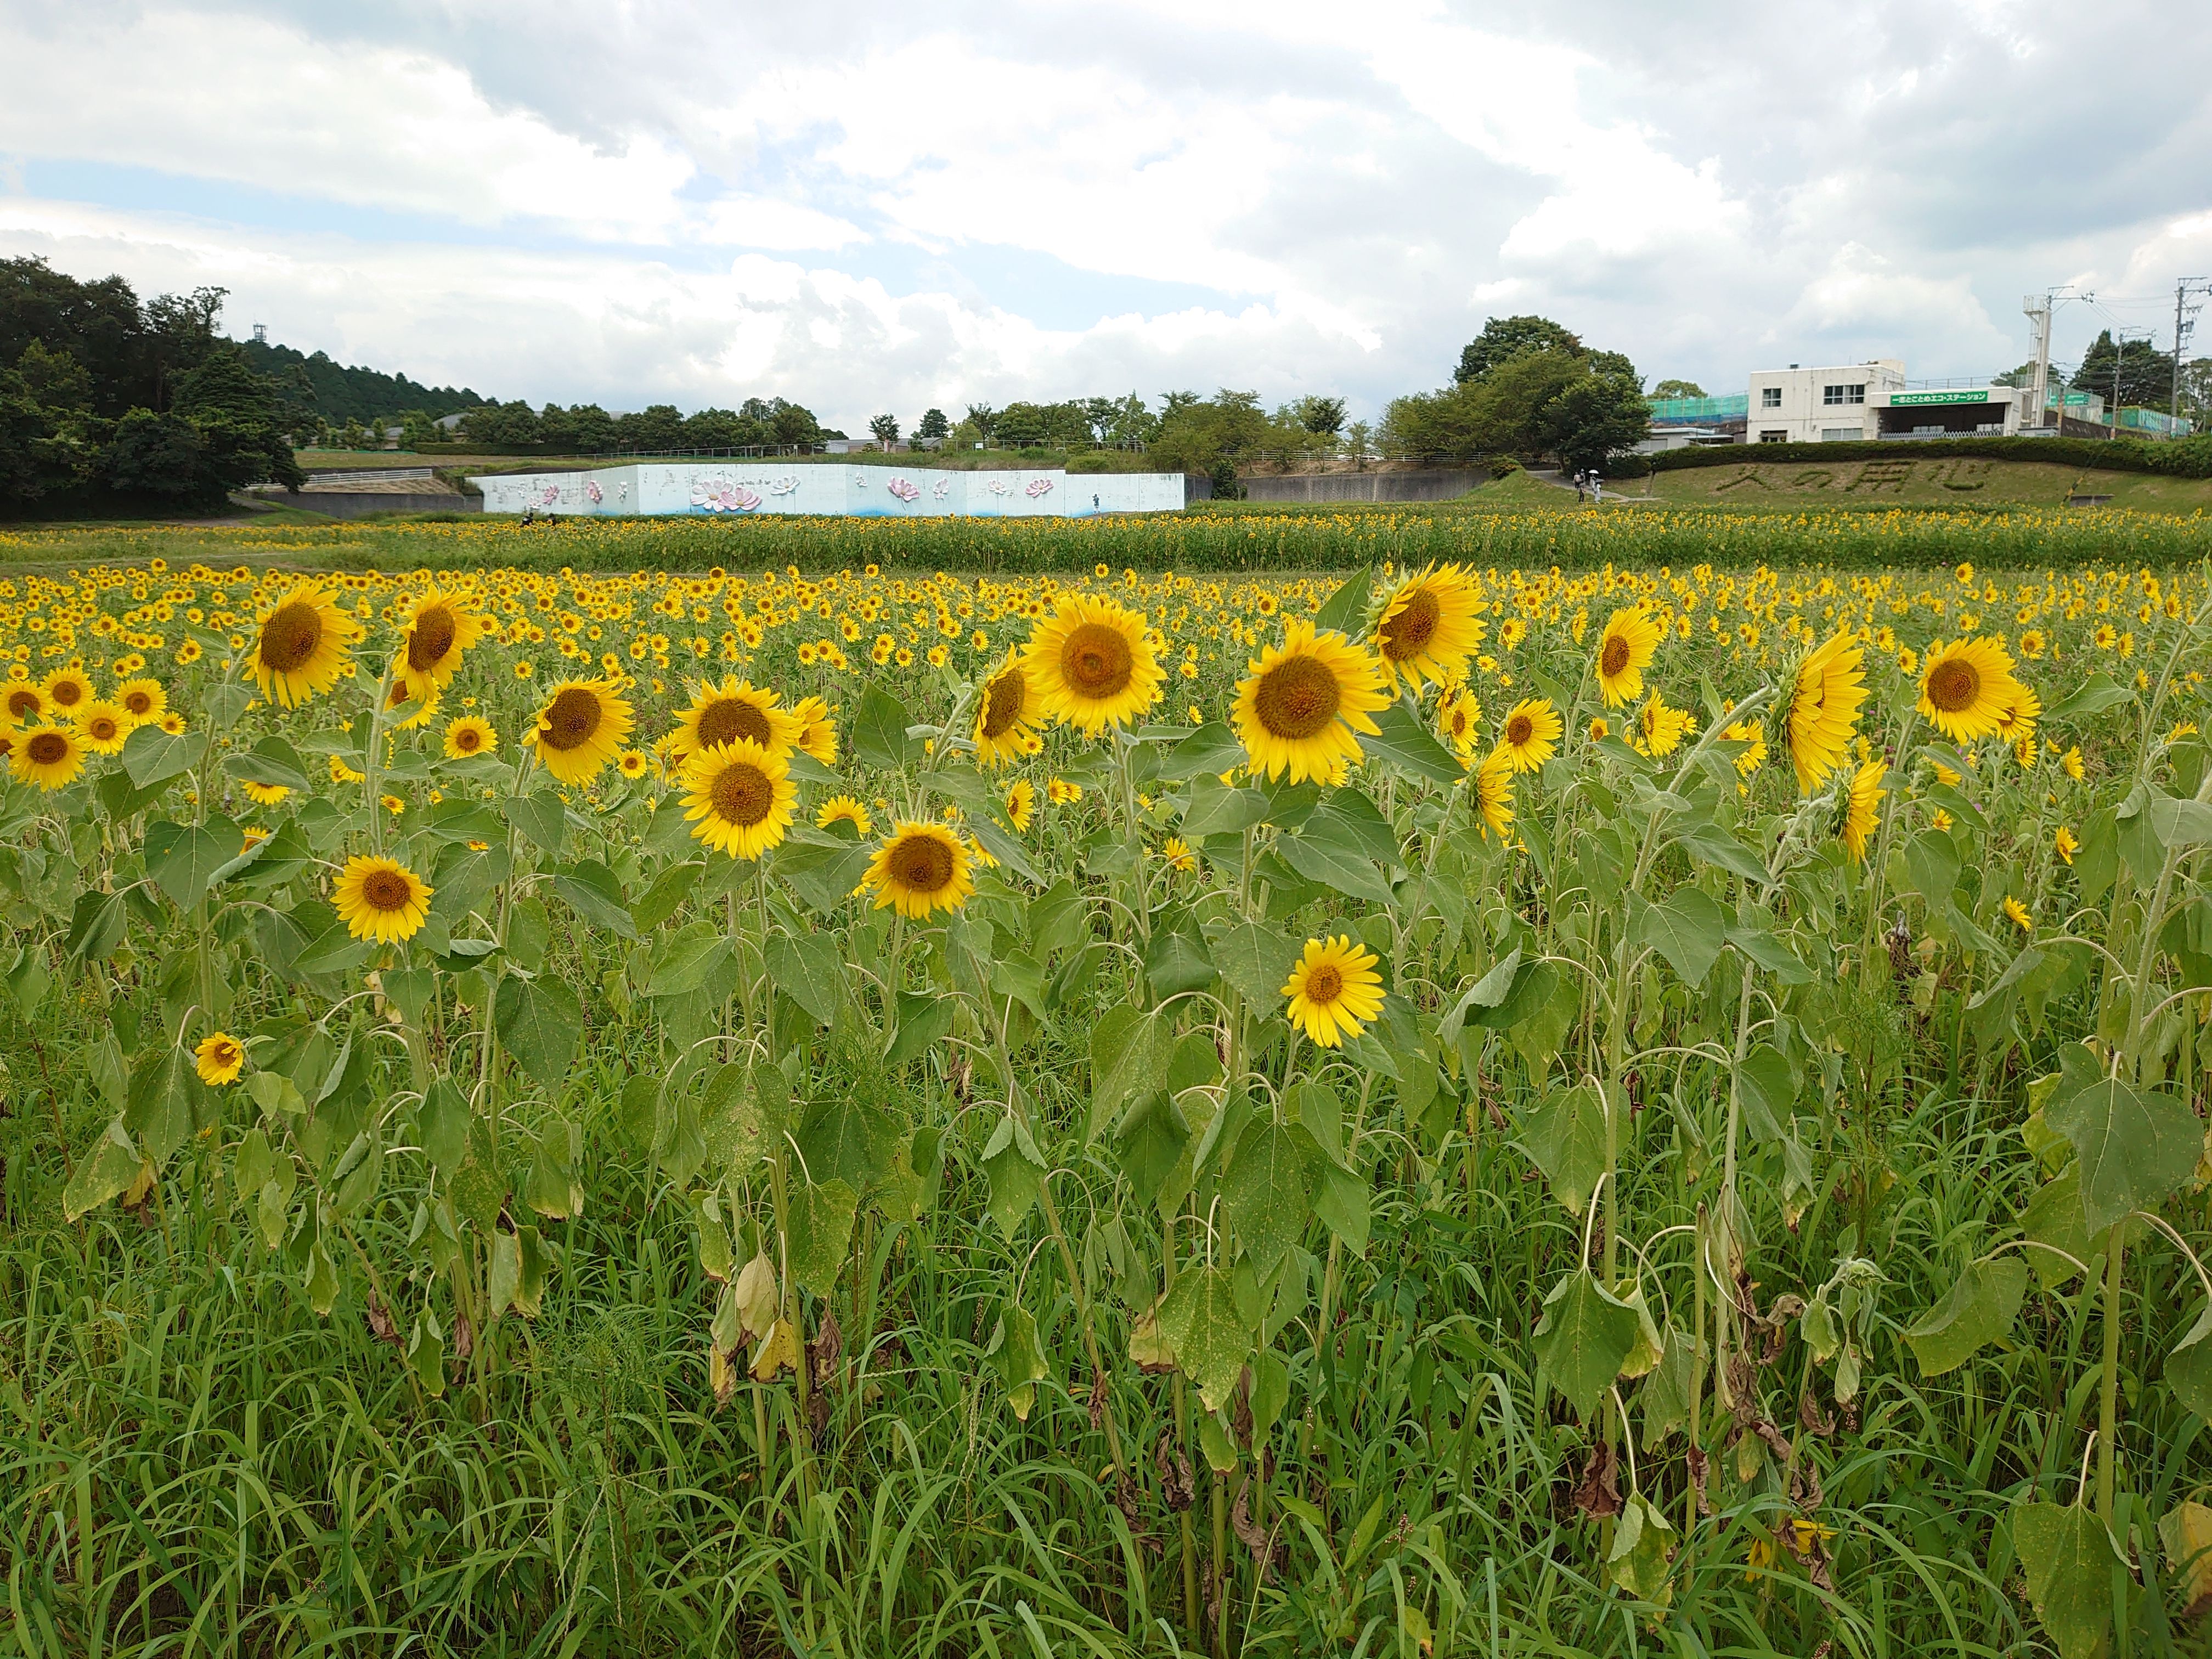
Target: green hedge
2186, 457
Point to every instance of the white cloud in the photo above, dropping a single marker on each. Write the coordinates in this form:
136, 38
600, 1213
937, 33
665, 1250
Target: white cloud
890, 208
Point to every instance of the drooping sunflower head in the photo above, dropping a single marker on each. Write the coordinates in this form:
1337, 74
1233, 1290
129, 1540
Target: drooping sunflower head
1823, 709
1660, 728
580, 727
471, 734
1861, 814
923, 868
24, 702
1624, 650
2016, 722
735, 709
1966, 687
1093, 666
144, 700
1429, 627
1752, 734
1334, 990
264, 794
2019, 915
1493, 793
400, 702
1021, 805
1176, 851
104, 725
303, 646
218, 1058
380, 899
1460, 720
1530, 735
1006, 712
48, 756
818, 730
1303, 702
738, 796
844, 809
438, 628
67, 690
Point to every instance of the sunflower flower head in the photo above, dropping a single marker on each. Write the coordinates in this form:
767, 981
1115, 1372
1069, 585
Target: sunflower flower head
1301, 707
922, 868
1624, 650
1823, 709
1334, 989
738, 796
1093, 665
1429, 627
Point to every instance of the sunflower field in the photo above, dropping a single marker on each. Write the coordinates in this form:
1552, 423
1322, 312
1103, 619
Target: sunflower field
1452, 1110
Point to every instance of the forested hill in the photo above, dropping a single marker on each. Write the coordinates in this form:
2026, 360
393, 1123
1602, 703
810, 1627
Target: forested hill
338, 393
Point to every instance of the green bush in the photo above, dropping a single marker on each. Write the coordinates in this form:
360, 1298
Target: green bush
2187, 457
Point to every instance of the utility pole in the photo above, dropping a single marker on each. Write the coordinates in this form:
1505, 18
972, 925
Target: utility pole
2038, 308
2180, 294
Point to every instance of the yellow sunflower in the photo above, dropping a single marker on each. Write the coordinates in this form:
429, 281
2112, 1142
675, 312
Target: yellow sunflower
1624, 652
437, 630
1091, 664
1006, 713
264, 794
1333, 990
843, 809
67, 691
48, 756
1823, 709
103, 726
1021, 805
923, 868
817, 731
1531, 733
1493, 793
1752, 734
2067, 843
1862, 814
632, 763
1460, 720
735, 708
738, 796
1176, 851
303, 645
2016, 723
1660, 729
380, 899
1299, 707
143, 699
2019, 915
24, 701
219, 1059
1965, 687
1429, 627
471, 734
399, 696
579, 729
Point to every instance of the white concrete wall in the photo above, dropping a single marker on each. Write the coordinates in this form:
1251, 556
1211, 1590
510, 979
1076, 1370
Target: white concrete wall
749, 489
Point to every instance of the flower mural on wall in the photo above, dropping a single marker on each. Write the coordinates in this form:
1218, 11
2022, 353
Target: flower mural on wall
786, 485
1039, 488
722, 495
905, 489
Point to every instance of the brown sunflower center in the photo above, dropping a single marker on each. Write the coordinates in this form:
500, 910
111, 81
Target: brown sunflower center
1096, 661
47, 748
923, 864
1614, 657
1002, 703
468, 740
101, 728
21, 702
1519, 728
571, 720
68, 693
743, 794
386, 890
435, 629
1407, 635
1325, 984
1952, 684
727, 718
138, 703
1297, 698
290, 637
224, 1053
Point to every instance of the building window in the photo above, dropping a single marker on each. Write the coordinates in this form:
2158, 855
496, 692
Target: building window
1770, 397
1842, 394
1840, 435
1771, 436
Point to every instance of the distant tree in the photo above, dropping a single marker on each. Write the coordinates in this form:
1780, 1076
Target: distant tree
1358, 442
556, 428
984, 419
503, 424
1212, 435
1678, 389
26, 429
932, 424
54, 379
1322, 416
593, 427
2145, 374
794, 424
657, 427
884, 429
966, 435
162, 454
2024, 375
1174, 403
239, 419
1504, 338
1098, 414
1592, 419
1615, 366
719, 429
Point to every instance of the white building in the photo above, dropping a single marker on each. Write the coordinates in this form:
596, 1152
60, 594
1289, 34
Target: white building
1795, 405
1874, 399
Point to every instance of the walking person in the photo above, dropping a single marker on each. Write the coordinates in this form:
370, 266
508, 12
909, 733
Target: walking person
1597, 486
1579, 496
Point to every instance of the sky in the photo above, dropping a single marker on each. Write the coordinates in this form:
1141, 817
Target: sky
873, 208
